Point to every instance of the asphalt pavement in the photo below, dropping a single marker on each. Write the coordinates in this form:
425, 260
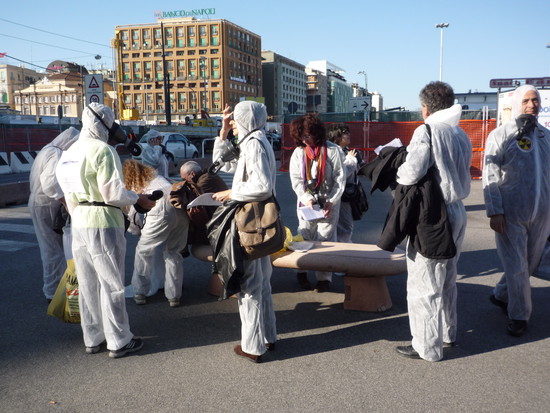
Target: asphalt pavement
326, 359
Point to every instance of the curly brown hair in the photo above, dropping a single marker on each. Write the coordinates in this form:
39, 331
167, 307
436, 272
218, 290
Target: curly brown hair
137, 175
308, 125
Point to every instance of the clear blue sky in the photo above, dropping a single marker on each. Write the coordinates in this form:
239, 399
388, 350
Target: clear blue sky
395, 42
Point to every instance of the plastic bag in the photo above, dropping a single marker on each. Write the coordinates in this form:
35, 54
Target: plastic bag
64, 304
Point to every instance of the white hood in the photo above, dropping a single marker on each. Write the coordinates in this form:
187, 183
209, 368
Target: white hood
519, 93
92, 126
249, 115
449, 116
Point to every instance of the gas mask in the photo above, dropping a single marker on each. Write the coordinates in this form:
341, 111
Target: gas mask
116, 134
525, 123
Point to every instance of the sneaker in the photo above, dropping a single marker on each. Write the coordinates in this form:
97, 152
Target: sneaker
93, 350
140, 299
174, 302
499, 303
135, 344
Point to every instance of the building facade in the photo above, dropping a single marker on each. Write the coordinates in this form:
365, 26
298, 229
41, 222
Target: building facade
59, 89
477, 100
12, 79
316, 91
208, 63
284, 85
338, 91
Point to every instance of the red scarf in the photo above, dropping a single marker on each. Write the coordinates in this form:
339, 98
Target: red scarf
319, 154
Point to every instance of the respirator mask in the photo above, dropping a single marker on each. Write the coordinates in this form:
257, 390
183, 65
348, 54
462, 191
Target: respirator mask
526, 124
116, 134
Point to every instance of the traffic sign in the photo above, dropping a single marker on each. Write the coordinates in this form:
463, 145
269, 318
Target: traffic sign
94, 89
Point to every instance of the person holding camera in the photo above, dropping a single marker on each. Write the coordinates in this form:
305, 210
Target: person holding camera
318, 178
90, 175
163, 230
516, 187
155, 154
340, 135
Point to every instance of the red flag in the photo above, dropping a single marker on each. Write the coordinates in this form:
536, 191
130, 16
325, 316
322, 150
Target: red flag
3, 54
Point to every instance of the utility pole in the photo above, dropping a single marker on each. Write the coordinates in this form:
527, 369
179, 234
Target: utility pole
441, 26
167, 106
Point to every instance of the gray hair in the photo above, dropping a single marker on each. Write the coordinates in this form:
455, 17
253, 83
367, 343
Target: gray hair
190, 166
437, 96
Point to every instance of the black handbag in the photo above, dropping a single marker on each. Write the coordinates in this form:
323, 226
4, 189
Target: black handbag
355, 195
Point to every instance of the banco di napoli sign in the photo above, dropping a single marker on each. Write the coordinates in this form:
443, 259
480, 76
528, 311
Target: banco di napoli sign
184, 13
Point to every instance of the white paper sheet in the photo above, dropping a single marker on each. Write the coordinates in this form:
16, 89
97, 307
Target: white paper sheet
308, 214
204, 200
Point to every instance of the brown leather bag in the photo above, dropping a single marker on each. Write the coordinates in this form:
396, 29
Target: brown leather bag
261, 229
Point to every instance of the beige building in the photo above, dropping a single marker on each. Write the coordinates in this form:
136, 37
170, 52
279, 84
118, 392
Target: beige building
13, 78
59, 89
209, 63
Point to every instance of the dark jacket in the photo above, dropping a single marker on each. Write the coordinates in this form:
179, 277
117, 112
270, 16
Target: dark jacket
228, 256
417, 211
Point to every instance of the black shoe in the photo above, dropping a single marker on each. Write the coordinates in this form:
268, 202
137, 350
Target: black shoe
449, 345
516, 328
270, 346
322, 286
499, 303
302, 280
407, 351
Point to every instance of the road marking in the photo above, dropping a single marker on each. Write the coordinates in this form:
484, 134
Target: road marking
12, 246
26, 229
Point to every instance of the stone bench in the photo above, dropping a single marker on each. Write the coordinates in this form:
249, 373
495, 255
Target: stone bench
365, 266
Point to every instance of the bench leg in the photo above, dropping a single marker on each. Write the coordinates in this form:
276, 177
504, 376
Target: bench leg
366, 294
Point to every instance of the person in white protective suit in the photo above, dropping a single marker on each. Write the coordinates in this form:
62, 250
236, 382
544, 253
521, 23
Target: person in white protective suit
45, 204
340, 135
153, 154
516, 187
318, 178
90, 174
431, 283
164, 227
258, 329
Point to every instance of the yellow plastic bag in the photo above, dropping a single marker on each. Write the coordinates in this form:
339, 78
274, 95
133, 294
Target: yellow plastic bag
64, 304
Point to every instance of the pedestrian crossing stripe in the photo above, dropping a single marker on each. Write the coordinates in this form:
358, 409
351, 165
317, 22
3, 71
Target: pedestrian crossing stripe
13, 246
20, 228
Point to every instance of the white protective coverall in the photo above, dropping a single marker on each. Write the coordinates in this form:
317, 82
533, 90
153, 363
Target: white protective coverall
99, 245
344, 230
166, 229
44, 205
516, 183
431, 283
152, 154
331, 191
257, 157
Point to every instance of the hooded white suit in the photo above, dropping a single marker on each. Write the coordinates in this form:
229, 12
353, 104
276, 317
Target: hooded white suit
431, 283
254, 180
99, 245
44, 205
516, 183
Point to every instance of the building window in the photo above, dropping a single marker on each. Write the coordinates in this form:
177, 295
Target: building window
191, 43
179, 31
158, 33
190, 31
214, 30
215, 41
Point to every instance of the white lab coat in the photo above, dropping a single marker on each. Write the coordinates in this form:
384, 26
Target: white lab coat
258, 325
165, 229
331, 190
516, 183
431, 283
44, 205
99, 245
344, 229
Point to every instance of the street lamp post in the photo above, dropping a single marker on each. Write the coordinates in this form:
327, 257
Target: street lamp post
203, 68
362, 72
441, 26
